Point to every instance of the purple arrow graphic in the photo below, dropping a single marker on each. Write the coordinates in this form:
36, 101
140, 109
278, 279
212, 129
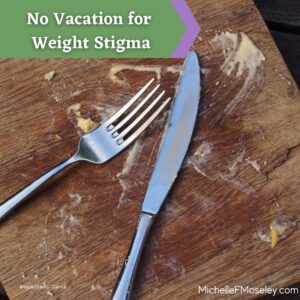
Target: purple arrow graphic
192, 28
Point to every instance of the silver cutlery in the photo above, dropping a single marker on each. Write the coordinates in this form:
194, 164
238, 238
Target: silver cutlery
103, 143
172, 152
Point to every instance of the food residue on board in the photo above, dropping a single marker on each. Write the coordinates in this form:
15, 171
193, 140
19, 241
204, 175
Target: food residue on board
200, 161
233, 166
204, 71
74, 108
240, 53
101, 289
282, 77
105, 111
60, 255
200, 157
172, 211
254, 164
116, 68
132, 155
86, 125
69, 222
274, 236
127, 166
74, 271
279, 229
175, 69
48, 76
76, 93
241, 57
172, 265
77, 198
87, 117
51, 137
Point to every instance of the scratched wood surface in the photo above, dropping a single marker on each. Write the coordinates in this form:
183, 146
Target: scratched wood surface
241, 173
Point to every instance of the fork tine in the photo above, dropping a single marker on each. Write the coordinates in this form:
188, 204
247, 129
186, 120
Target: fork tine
141, 116
135, 135
127, 105
136, 109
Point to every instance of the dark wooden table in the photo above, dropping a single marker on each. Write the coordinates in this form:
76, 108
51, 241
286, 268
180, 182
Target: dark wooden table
241, 173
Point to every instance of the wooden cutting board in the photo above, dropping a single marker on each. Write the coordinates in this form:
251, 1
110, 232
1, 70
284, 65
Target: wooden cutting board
241, 173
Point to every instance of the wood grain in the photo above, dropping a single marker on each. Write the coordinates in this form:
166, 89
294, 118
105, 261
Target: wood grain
205, 232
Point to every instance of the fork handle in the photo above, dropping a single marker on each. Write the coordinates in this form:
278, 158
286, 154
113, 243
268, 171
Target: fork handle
125, 281
11, 203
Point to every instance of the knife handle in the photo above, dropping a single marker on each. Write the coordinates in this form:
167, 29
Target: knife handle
125, 281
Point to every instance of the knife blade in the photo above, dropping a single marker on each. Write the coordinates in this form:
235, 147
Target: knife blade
172, 151
177, 136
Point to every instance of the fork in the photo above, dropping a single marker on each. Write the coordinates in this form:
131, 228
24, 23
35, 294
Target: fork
101, 144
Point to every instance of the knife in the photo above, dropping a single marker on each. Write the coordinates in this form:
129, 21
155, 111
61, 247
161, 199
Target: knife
172, 151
